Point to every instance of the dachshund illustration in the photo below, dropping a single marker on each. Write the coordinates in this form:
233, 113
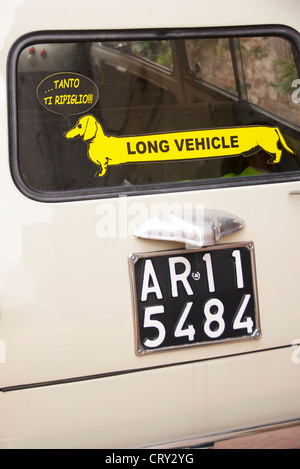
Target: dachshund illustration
105, 150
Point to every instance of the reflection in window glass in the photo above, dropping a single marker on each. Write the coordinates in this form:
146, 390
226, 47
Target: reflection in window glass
269, 70
215, 84
158, 52
211, 61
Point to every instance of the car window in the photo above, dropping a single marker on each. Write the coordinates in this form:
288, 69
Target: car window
94, 117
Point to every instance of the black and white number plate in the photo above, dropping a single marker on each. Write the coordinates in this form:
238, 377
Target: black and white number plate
194, 297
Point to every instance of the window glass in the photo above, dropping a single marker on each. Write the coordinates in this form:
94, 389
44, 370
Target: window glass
269, 71
211, 61
94, 117
158, 52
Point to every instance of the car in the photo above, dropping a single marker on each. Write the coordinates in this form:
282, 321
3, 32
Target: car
150, 164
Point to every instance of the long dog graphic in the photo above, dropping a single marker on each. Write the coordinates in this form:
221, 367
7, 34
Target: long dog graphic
105, 150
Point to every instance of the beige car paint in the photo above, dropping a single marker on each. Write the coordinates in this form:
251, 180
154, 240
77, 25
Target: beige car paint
65, 298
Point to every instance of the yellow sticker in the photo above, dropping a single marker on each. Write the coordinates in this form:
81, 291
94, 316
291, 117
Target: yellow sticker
67, 93
104, 150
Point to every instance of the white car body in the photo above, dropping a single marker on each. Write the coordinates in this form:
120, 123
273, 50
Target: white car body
70, 376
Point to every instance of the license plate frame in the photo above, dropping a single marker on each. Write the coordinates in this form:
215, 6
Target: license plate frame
200, 302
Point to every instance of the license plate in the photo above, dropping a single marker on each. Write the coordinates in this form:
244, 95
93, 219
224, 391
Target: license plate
194, 297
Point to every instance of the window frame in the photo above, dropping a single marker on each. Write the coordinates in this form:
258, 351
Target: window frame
41, 37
